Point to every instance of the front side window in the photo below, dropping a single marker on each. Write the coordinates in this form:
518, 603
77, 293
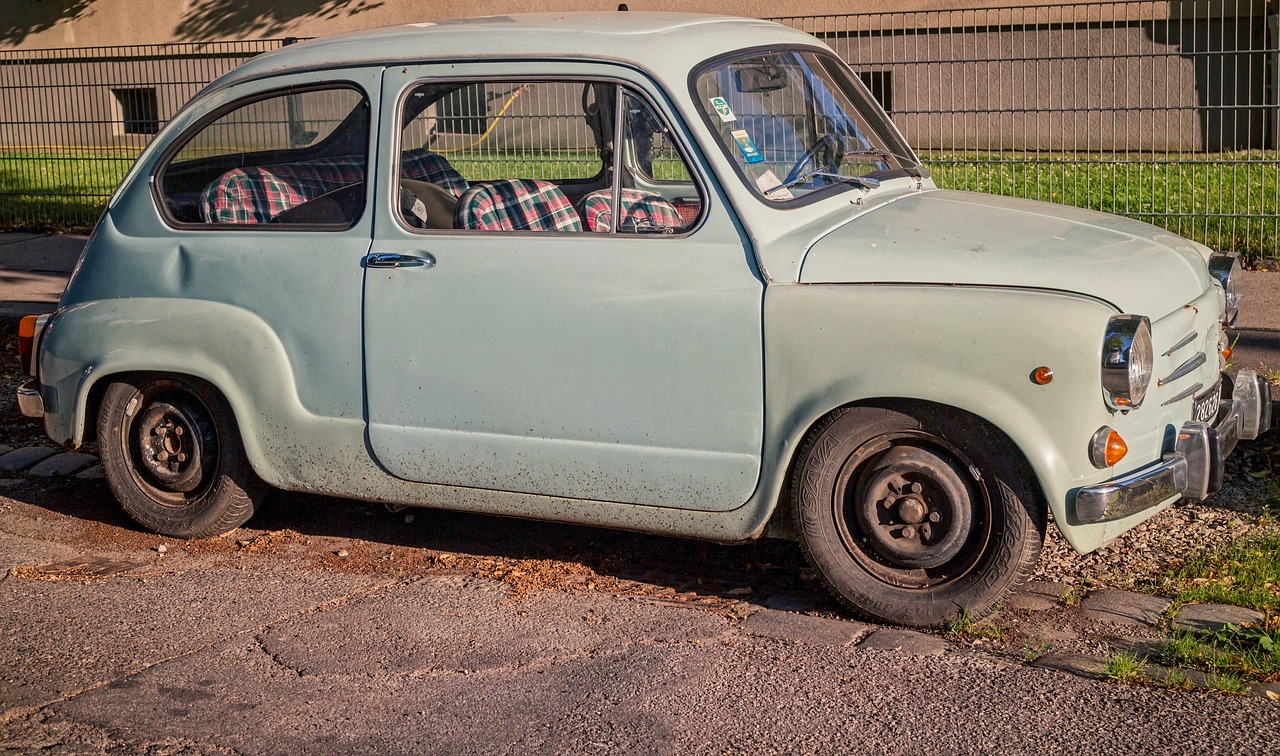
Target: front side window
296, 157
553, 156
796, 123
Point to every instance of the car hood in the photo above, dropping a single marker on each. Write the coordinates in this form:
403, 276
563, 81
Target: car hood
947, 237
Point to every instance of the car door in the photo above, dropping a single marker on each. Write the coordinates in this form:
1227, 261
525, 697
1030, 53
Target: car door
621, 364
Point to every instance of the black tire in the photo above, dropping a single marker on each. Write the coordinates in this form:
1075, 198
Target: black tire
894, 519
172, 455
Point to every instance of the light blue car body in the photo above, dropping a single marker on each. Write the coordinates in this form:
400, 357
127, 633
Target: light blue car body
655, 384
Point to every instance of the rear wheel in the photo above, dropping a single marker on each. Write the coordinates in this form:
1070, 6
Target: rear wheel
913, 518
172, 455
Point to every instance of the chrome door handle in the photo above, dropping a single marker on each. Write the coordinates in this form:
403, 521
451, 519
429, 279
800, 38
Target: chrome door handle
395, 260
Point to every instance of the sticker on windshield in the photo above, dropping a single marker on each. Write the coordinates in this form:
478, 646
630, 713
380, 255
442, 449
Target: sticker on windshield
723, 110
767, 181
747, 146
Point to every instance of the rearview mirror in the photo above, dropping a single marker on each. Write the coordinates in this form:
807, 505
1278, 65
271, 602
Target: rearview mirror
760, 79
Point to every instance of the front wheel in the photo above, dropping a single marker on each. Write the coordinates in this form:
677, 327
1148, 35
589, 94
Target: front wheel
172, 455
914, 518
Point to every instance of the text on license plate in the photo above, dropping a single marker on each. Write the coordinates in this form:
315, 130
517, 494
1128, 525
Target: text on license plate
1205, 408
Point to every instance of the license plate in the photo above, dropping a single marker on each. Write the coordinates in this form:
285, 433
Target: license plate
1205, 408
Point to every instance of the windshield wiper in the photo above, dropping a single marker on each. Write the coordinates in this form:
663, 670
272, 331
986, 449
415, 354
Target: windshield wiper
862, 181
909, 165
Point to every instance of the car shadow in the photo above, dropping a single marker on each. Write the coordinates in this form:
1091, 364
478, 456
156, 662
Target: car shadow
767, 571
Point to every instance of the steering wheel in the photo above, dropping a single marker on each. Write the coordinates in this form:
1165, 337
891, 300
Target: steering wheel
827, 143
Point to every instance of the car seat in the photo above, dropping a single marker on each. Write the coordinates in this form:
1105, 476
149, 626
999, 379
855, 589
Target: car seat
516, 205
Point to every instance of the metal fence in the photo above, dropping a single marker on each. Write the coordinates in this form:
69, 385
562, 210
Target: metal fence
73, 120
1162, 111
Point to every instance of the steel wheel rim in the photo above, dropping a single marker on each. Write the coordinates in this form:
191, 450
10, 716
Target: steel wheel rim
171, 445
942, 555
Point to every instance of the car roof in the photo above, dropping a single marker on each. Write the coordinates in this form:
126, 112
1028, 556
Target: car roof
669, 41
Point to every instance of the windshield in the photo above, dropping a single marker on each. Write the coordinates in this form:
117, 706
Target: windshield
797, 122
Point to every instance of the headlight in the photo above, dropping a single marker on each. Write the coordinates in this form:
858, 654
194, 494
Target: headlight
1225, 267
1126, 361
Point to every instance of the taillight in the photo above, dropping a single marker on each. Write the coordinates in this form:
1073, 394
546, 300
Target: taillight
26, 337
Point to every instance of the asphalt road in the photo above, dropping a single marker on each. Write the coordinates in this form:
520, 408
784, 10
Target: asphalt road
267, 642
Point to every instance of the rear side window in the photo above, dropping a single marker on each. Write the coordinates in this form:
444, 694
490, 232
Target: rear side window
297, 158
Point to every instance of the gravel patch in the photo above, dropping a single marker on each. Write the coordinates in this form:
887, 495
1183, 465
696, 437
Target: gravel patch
1181, 531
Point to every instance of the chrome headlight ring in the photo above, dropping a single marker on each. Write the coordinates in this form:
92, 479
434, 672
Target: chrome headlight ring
1127, 359
1225, 268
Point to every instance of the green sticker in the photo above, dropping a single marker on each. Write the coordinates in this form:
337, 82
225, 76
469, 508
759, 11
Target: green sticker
723, 110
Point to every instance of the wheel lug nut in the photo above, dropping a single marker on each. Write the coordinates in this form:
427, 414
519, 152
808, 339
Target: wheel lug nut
182, 457
935, 517
908, 532
178, 430
915, 488
886, 503
163, 456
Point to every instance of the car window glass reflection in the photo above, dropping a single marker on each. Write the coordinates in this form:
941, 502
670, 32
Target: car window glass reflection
290, 158
539, 156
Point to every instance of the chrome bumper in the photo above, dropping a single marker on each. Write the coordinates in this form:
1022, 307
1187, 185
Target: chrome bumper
29, 399
1194, 468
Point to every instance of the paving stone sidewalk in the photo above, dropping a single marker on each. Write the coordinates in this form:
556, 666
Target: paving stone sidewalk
1127, 609
48, 462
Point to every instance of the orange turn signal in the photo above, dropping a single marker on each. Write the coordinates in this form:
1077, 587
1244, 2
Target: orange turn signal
1116, 449
1041, 375
26, 335
1226, 352
1107, 448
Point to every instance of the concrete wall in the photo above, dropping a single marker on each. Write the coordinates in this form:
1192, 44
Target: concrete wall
36, 24
1190, 85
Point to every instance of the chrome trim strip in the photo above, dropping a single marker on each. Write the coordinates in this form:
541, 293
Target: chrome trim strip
1192, 389
1183, 369
1185, 340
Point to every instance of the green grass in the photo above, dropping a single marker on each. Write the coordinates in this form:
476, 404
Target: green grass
1244, 653
1209, 187
1228, 683
1125, 667
964, 625
1246, 573
58, 189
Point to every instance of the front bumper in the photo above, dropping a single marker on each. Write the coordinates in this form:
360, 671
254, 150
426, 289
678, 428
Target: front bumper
1194, 468
29, 399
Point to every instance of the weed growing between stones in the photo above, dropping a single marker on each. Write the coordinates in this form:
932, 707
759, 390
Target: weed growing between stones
1251, 653
1228, 683
1245, 573
1031, 652
1125, 667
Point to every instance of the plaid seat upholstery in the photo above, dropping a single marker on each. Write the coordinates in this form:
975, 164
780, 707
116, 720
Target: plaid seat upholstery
637, 207
257, 194
424, 165
516, 205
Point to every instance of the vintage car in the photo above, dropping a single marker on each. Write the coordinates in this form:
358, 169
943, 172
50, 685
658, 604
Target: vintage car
670, 273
